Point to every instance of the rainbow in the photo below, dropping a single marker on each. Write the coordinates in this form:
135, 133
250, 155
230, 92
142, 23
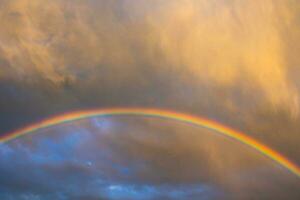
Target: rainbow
190, 119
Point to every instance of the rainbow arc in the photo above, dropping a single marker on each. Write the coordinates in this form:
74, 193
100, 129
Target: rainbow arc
186, 118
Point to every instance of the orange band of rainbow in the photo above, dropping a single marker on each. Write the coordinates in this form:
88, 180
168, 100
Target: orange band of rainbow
241, 137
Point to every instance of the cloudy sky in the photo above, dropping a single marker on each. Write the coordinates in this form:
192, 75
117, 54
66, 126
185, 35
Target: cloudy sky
235, 62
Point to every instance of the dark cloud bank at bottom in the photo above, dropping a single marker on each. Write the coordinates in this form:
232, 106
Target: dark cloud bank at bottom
137, 158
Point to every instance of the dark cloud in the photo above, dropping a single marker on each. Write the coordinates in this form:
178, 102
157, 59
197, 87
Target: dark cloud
230, 61
124, 159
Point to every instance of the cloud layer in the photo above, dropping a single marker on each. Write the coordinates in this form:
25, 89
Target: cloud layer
118, 158
235, 62
219, 42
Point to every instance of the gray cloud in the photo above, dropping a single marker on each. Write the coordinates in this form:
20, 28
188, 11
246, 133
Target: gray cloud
128, 160
230, 61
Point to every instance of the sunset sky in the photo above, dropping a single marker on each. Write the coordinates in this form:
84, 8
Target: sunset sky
233, 62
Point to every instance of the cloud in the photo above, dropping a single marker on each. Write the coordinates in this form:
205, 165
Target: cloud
229, 42
218, 42
231, 61
152, 159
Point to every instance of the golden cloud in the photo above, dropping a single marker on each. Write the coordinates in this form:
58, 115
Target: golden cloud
228, 43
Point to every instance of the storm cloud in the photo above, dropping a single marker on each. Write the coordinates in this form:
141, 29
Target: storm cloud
235, 62
118, 158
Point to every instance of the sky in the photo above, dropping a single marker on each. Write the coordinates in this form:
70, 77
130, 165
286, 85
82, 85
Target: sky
121, 157
234, 62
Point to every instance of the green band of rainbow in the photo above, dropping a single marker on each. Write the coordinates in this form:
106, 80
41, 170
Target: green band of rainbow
195, 120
